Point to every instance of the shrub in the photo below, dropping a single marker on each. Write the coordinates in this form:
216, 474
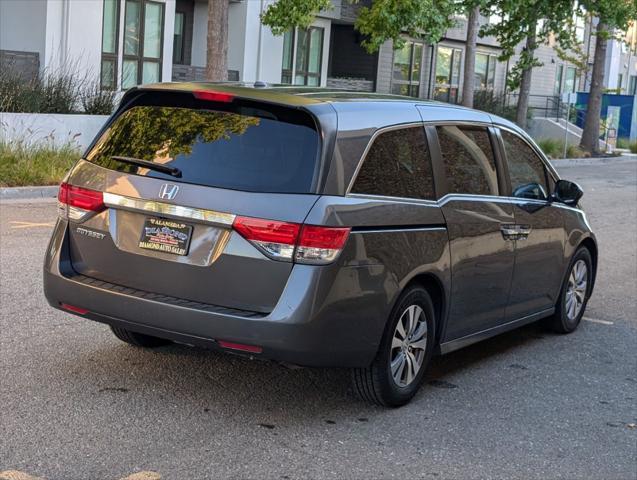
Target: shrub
63, 91
22, 164
555, 149
625, 143
490, 102
96, 101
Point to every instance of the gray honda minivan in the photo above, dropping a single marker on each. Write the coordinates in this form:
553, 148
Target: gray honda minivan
317, 228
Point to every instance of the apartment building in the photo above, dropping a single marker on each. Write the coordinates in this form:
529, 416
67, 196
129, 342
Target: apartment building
123, 43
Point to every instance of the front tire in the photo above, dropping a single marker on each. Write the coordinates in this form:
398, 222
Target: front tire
138, 339
576, 290
399, 368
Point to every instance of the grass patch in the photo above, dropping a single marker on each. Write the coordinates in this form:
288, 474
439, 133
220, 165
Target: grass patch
627, 144
23, 165
555, 149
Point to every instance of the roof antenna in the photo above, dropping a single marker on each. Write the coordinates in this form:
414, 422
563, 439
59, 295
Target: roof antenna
260, 84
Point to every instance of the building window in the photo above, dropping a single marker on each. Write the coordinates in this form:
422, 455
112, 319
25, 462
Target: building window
288, 59
569, 81
178, 38
406, 70
302, 57
580, 28
557, 89
485, 71
447, 74
108, 70
143, 35
620, 82
632, 88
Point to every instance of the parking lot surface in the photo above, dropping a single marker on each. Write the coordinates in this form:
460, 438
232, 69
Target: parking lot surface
76, 403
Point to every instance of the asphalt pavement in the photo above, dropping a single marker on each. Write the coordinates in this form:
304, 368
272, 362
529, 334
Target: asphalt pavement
76, 403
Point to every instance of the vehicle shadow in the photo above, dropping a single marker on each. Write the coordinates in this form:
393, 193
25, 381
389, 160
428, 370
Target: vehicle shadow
256, 392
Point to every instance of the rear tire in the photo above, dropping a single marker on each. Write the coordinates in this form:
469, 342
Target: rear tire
576, 290
399, 368
138, 339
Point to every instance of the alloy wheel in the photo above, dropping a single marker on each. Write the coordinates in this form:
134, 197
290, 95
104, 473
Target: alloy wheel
408, 346
576, 289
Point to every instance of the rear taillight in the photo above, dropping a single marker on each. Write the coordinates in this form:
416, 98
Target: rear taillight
287, 241
77, 203
275, 239
320, 244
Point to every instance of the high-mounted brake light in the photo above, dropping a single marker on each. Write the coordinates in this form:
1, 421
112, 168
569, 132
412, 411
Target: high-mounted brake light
212, 96
77, 203
286, 241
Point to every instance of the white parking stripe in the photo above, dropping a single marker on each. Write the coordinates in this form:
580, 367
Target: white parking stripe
596, 320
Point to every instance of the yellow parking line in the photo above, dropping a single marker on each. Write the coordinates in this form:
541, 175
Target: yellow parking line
17, 224
16, 475
143, 476
597, 320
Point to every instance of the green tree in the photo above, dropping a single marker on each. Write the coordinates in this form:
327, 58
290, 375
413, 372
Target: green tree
529, 22
613, 15
383, 20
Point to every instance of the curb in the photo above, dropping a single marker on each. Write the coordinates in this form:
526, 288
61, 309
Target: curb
27, 193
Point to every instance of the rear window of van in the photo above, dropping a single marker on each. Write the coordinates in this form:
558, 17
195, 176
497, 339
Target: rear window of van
252, 149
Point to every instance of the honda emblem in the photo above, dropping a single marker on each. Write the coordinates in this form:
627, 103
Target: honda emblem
168, 191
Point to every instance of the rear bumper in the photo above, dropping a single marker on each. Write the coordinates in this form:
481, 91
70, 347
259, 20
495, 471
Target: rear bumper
325, 316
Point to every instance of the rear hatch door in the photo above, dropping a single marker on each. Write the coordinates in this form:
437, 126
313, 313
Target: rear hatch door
176, 171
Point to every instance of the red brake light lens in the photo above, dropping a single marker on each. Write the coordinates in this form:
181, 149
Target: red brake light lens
240, 346
81, 198
323, 237
212, 96
270, 231
74, 309
286, 241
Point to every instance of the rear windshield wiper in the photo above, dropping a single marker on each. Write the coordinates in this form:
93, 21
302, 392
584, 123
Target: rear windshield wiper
175, 172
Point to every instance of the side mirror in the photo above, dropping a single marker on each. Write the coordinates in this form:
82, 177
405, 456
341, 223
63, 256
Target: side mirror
567, 192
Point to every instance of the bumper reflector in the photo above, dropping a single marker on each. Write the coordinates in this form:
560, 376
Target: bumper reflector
239, 346
74, 309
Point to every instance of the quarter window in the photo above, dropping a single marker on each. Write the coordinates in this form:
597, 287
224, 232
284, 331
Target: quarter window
468, 159
398, 164
526, 169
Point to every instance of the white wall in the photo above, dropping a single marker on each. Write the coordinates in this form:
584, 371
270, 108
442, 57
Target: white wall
199, 29
74, 36
22, 26
50, 129
237, 35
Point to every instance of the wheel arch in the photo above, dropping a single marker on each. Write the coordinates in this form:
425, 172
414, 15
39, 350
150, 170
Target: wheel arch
591, 245
436, 290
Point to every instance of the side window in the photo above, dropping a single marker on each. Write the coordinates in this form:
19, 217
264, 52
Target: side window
526, 169
398, 164
468, 158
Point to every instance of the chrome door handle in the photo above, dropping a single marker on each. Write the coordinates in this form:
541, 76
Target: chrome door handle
509, 231
523, 231
515, 232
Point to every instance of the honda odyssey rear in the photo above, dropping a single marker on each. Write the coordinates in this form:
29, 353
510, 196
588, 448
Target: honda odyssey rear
309, 227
